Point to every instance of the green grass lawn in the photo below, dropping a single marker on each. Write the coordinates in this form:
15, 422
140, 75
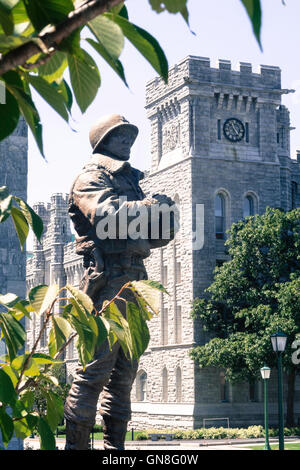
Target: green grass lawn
289, 446
98, 436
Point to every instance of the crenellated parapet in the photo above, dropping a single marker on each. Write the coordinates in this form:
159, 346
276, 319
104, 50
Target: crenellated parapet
189, 115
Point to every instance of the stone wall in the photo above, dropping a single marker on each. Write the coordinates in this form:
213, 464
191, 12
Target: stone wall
13, 174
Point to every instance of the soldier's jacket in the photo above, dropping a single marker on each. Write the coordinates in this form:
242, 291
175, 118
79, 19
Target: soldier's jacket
98, 189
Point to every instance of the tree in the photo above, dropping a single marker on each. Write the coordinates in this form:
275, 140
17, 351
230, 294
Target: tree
253, 295
40, 39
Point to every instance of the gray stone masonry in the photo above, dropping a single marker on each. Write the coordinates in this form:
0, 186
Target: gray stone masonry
13, 174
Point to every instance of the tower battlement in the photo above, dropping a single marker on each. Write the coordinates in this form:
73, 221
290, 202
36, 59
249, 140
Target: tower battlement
198, 70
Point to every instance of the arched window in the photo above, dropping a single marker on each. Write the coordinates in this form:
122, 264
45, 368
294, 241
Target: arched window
220, 216
141, 386
248, 208
178, 385
164, 385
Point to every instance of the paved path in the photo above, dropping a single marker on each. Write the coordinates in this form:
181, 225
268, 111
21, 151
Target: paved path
237, 444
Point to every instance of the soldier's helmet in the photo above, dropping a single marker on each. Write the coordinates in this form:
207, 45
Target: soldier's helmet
106, 125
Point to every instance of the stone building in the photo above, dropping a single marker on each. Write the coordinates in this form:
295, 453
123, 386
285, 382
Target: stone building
221, 148
13, 174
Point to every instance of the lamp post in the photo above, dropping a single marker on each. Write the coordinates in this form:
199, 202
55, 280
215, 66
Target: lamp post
265, 373
278, 341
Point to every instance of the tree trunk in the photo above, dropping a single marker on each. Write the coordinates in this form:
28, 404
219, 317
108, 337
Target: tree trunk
290, 398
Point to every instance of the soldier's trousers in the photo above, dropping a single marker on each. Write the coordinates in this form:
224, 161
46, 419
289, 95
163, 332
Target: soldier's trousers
111, 373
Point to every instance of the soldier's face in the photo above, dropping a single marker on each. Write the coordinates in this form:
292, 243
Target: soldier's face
119, 142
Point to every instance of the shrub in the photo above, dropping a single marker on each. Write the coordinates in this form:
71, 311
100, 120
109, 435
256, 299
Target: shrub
220, 433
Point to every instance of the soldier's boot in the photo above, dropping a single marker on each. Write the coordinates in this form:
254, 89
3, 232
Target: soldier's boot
77, 436
114, 433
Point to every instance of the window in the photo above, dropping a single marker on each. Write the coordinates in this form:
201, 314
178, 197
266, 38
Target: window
178, 323
219, 129
178, 385
248, 208
141, 382
220, 216
223, 388
164, 385
164, 325
253, 391
178, 272
164, 280
294, 194
247, 132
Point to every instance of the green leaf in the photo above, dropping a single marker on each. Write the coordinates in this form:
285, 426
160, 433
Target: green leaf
7, 391
27, 398
54, 68
9, 300
172, 6
138, 329
66, 92
47, 439
8, 4
13, 332
9, 117
6, 426
20, 224
55, 409
149, 290
109, 35
118, 328
50, 95
8, 42
146, 44
31, 217
6, 21
61, 330
115, 64
83, 299
11, 373
253, 9
17, 88
21, 428
85, 79
42, 297
31, 369
44, 12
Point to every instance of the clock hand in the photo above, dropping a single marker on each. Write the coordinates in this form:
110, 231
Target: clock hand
235, 129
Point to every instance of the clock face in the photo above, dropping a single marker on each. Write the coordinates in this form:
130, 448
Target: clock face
234, 129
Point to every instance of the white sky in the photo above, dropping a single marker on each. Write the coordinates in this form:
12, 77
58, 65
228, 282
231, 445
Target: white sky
222, 30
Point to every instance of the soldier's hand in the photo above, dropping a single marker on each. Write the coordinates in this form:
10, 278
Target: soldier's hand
163, 199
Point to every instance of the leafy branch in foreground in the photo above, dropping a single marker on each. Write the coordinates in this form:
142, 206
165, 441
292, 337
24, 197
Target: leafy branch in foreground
22, 373
23, 216
40, 39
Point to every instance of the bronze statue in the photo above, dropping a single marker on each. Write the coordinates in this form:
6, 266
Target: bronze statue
107, 185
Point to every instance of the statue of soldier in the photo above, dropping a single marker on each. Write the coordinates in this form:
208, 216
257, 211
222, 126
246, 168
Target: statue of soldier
107, 184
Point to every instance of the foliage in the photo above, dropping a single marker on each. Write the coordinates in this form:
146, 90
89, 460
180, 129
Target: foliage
40, 39
252, 296
21, 213
221, 433
22, 373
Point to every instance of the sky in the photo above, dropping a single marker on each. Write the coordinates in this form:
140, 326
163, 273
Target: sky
222, 31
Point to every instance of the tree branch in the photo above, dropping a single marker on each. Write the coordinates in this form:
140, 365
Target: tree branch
53, 36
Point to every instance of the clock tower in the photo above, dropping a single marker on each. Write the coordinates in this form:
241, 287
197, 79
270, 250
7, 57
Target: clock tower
221, 149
